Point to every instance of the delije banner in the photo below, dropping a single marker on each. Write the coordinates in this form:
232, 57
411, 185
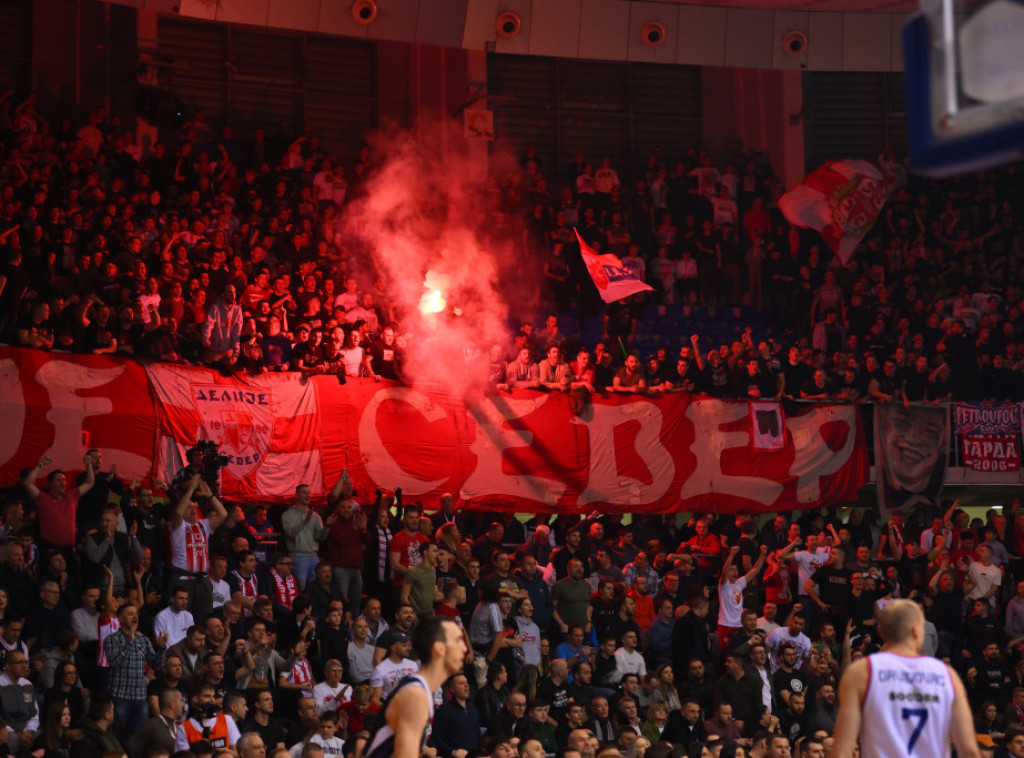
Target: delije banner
527, 451
989, 435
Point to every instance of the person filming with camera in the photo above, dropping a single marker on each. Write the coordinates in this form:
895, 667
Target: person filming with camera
207, 722
203, 459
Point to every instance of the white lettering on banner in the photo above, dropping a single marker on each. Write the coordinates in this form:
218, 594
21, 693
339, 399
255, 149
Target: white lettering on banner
493, 437
1000, 416
381, 467
708, 417
605, 484
990, 452
69, 410
13, 401
814, 459
989, 449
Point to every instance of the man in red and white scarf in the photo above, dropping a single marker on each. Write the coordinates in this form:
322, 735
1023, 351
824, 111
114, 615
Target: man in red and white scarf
244, 583
282, 583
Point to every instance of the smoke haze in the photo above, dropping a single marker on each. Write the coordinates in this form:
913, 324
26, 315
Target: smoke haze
436, 235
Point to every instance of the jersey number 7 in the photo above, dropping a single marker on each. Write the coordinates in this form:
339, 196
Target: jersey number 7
912, 713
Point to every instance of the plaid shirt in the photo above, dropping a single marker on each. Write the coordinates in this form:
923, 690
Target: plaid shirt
127, 664
653, 577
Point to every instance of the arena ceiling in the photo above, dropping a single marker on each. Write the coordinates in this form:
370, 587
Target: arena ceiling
853, 6
821, 6
840, 35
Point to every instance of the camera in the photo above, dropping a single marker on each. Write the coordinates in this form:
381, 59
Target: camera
211, 464
213, 460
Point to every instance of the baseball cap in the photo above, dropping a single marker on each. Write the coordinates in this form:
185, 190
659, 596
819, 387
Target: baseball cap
984, 741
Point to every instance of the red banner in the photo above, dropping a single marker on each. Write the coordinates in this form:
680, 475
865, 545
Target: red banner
990, 452
267, 427
61, 405
526, 451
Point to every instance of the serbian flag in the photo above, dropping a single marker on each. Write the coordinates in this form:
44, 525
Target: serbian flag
614, 281
841, 199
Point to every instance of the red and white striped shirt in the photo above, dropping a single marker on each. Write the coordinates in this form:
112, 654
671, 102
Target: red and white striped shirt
302, 675
190, 549
249, 589
286, 589
107, 626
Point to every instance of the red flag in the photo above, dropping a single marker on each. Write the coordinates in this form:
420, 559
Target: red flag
266, 426
841, 199
633, 454
614, 281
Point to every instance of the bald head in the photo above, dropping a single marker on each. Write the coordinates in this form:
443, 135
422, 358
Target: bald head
896, 621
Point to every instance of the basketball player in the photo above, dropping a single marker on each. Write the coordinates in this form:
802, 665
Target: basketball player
899, 703
441, 648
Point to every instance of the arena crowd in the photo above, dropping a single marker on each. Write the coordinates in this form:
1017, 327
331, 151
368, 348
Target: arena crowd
169, 623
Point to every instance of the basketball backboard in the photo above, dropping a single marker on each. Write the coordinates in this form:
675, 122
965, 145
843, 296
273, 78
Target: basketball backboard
965, 85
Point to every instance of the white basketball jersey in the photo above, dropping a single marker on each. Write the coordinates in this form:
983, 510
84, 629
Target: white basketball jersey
907, 709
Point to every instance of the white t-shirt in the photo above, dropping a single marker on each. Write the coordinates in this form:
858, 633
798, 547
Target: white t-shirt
334, 746
86, 624
807, 563
323, 185
387, 674
360, 662
984, 578
175, 624
328, 698
146, 300
530, 634
629, 663
779, 637
347, 300
221, 592
730, 602
725, 211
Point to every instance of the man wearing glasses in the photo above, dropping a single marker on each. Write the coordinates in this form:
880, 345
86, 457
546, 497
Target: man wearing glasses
511, 722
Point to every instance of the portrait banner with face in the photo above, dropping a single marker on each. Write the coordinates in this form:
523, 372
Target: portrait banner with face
911, 454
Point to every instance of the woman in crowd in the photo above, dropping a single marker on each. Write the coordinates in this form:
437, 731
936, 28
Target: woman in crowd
55, 738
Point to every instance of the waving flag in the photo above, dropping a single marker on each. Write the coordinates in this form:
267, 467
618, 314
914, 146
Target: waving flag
614, 281
841, 199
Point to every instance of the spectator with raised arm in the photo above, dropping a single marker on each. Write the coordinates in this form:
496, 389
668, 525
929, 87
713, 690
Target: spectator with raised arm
190, 534
57, 506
